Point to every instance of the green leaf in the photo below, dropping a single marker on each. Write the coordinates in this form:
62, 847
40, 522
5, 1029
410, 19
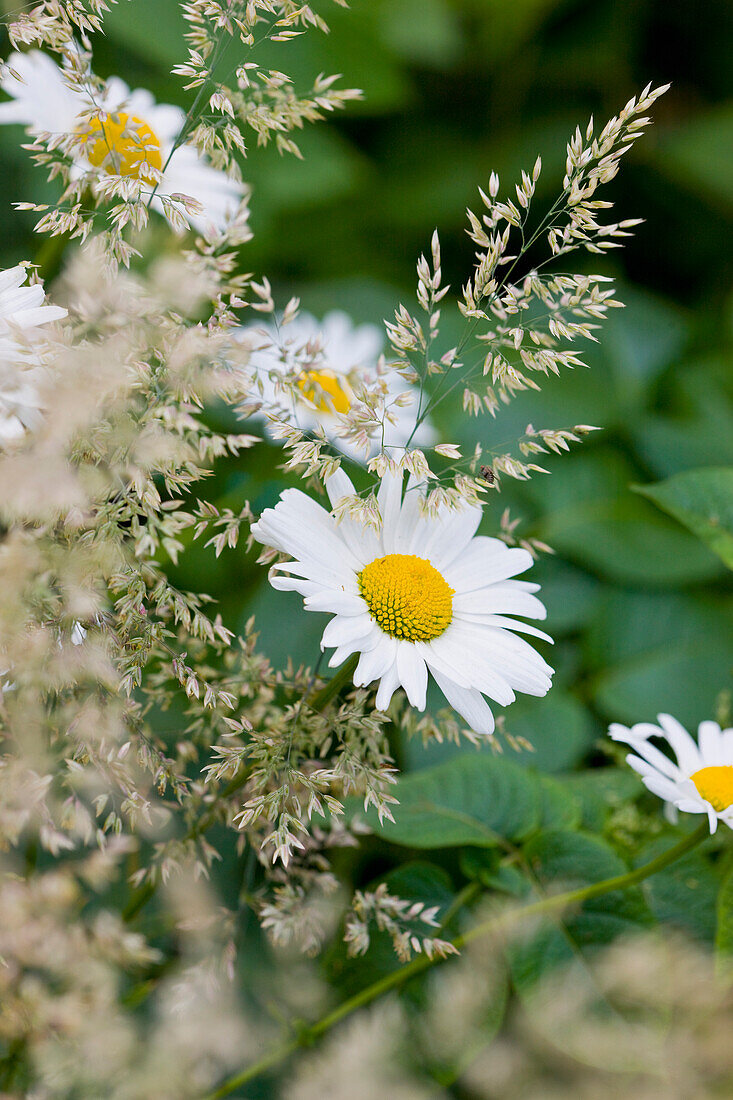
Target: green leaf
694, 428
473, 799
662, 651
702, 500
560, 809
620, 540
685, 893
601, 790
558, 728
487, 866
561, 859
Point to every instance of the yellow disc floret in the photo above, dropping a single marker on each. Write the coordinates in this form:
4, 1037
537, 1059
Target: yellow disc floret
715, 785
407, 596
124, 144
325, 389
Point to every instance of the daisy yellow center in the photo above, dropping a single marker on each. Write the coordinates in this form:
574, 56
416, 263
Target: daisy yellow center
325, 390
715, 785
407, 596
124, 144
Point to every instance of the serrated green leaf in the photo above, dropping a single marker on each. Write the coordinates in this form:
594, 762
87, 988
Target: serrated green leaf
702, 500
473, 799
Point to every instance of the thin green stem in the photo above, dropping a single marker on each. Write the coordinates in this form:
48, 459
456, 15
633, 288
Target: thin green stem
421, 963
339, 680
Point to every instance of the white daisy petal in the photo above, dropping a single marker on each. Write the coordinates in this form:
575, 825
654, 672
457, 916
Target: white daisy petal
23, 352
656, 758
413, 674
294, 584
712, 745
508, 624
450, 535
685, 749
469, 703
339, 485
338, 603
341, 580
485, 561
342, 630
375, 662
472, 665
387, 687
506, 599
389, 501
338, 351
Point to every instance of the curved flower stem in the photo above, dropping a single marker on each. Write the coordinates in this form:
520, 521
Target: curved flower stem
555, 903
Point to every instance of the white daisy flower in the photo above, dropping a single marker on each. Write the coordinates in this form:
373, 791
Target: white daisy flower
137, 135
325, 359
701, 780
22, 313
423, 593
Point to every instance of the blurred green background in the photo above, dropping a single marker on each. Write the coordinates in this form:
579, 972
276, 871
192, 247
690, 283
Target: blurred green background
453, 89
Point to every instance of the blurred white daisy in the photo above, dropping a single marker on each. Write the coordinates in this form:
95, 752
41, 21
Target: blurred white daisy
424, 593
22, 313
701, 780
136, 136
308, 370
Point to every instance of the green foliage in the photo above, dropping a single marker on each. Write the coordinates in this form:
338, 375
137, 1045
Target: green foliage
473, 799
684, 895
703, 501
564, 859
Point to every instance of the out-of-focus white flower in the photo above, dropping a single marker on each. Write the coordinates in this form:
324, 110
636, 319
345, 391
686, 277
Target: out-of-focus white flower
323, 362
422, 593
22, 312
700, 782
137, 135
78, 636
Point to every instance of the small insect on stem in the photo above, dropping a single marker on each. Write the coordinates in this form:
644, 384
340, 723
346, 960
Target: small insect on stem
488, 474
